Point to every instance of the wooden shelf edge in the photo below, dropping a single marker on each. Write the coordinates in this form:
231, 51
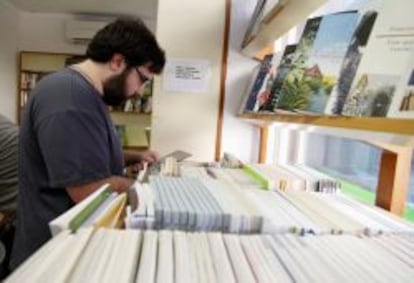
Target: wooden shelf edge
387, 125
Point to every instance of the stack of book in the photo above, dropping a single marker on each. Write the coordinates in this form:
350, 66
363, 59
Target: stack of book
224, 204
206, 204
291, 177
107, 255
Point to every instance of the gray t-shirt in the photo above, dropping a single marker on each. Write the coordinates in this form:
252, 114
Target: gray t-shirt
66, 139
9, 134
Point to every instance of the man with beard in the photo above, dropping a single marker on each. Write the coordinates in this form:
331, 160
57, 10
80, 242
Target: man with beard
68, 144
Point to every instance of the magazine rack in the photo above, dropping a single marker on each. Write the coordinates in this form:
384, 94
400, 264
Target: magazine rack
397, 145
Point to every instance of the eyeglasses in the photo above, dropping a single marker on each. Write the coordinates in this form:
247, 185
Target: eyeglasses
144, 79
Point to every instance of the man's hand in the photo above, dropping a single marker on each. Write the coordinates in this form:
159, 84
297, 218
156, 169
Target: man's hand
136, 160
149, 156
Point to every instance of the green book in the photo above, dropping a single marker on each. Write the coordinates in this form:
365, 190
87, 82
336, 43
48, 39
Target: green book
80, 218
257, 177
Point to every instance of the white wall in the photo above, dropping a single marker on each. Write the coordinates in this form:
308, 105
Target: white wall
191, 30
45, 33
8, 60
239, 137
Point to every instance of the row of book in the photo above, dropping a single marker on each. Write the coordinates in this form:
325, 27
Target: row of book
107, 255
232, 201
282, 177
227, 200
353, 63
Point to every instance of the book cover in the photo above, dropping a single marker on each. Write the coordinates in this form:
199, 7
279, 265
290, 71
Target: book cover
351, 62
324, 63
292, 91
260, 90
384, 62
286, 64
310, 83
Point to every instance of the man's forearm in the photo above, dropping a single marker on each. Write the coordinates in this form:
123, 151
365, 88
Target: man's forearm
119, 184
131, 157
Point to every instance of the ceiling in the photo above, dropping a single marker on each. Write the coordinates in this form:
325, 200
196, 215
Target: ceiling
146, 9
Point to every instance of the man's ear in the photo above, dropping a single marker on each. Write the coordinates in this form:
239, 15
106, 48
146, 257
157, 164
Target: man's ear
117, 63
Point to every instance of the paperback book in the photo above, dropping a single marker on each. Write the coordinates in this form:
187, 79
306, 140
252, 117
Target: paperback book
384, 62
309, 84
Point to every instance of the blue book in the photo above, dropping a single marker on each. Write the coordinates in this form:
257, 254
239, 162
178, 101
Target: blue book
257, 85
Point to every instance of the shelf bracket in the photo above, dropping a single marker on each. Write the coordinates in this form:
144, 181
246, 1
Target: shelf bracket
393, 179
264, 137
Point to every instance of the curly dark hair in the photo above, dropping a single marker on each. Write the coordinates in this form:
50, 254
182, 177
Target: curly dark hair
131, 38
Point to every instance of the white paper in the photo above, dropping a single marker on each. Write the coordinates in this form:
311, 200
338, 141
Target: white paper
187, 75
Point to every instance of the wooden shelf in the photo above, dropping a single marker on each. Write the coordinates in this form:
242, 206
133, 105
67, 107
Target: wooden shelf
388, 125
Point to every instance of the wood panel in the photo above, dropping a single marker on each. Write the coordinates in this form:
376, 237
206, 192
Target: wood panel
390, 125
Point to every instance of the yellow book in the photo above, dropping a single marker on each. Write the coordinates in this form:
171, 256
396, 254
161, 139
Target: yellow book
113, 215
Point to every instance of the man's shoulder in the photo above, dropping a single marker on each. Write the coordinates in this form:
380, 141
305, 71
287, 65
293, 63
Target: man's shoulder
64, 88
62, 92
64, 78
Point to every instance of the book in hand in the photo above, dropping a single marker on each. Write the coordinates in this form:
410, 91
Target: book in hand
178, 155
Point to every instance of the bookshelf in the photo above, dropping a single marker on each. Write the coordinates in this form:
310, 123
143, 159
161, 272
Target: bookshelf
135, 117
137, 128
32, 67
28, 80
394, 136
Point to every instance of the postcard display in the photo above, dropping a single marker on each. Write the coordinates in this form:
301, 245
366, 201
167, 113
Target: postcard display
354, 63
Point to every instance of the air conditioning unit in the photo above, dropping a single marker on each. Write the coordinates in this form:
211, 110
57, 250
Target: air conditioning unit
82, 31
